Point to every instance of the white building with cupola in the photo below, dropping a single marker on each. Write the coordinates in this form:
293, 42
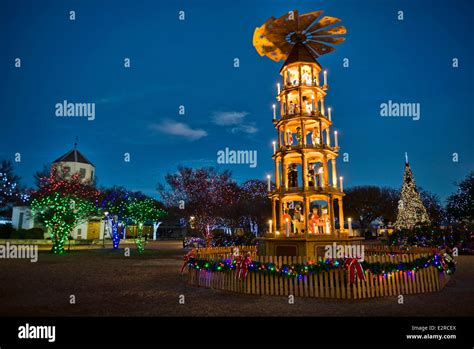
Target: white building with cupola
74, 162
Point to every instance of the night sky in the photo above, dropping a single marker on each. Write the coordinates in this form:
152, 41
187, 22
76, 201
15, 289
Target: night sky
190, 63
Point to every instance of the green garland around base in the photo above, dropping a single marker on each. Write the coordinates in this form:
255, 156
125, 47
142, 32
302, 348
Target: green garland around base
443, 263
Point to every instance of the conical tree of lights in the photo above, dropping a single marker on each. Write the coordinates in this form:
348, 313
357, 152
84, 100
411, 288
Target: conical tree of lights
411, 211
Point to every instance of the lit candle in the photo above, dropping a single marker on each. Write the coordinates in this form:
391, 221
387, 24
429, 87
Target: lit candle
274, 112
270, 226
287, 228
274, 147
278, 86
335, 139
349, 223
268, 182
329, 113
340, 183
314, 228
277, 233
325, 78
321, 178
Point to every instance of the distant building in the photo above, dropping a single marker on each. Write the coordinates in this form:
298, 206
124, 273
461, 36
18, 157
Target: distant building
74, 162
22, 218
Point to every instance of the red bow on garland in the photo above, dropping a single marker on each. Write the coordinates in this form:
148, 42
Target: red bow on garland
354, 268
242, 266
187, 257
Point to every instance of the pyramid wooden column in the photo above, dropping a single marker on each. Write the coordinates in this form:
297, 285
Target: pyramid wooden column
307, 204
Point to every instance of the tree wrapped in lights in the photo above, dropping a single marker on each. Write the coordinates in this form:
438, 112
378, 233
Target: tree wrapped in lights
411, 211
10, 191
460, 212
205, 196
459, 205
254, 207
114, 202
140, 211
63, 204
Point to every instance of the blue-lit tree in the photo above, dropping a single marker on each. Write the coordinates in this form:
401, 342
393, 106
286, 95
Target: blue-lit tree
113, 204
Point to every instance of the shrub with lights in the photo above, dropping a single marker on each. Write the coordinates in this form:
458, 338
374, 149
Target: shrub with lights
63, 204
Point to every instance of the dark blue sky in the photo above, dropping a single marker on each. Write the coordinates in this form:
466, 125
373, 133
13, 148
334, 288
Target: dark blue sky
191, 63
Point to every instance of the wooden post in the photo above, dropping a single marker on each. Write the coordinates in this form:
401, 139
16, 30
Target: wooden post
305, 172
320, 133
325, 170
334, 173
280, 214
277, 173
341, 214
331, 214
279, 137
307, 212
274, 208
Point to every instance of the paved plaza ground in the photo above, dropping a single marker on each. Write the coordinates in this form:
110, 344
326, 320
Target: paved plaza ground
105, 282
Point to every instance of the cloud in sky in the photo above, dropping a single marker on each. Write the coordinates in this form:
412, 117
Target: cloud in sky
235, 119
228, 118
179, 129
249, 129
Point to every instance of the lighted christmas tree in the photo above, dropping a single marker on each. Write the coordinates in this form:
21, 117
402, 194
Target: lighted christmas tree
411, 211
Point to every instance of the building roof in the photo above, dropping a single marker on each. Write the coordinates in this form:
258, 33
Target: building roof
300, 53
73, 155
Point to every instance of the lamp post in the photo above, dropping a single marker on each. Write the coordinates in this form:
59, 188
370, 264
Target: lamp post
106, 215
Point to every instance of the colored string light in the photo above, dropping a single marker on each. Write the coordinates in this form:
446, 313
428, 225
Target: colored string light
300, 270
